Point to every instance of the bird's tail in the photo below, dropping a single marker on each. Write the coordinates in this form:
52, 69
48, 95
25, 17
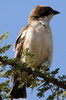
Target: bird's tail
18, 92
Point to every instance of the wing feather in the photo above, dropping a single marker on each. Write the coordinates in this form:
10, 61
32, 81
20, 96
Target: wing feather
18, 47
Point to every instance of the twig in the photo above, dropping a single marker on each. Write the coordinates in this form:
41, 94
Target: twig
47, 78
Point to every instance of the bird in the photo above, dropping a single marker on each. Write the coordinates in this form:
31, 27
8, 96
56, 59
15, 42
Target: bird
36, 36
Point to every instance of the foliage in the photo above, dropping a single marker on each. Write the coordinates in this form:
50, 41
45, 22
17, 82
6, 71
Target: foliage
42, 79
3, 37
5, 48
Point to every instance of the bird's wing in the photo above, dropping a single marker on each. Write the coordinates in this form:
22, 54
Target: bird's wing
18, 47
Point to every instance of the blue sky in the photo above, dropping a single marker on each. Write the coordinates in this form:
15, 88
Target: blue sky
13, 16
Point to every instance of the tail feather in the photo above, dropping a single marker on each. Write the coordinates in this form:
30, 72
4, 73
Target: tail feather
18, 92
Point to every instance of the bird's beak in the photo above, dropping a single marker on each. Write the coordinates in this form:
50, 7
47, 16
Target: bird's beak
55, 12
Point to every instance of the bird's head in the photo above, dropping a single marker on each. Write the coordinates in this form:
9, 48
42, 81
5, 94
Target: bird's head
42, 12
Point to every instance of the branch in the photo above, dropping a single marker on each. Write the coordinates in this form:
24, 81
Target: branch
49, 79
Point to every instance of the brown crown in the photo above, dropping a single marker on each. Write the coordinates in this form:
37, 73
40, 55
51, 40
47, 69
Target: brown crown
40, 11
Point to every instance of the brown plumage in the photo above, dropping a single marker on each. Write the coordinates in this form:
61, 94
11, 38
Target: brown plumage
38, 38
19, 42
18, 92
15, 91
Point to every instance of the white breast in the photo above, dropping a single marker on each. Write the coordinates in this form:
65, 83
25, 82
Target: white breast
39, 41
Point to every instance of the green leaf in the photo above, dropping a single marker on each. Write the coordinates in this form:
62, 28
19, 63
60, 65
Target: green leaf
55, 71
3, 37
64, 95
5, 88
40, 94
5, 48
6, 74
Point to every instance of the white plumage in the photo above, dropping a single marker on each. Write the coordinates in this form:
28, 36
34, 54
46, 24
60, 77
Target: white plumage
38, 39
